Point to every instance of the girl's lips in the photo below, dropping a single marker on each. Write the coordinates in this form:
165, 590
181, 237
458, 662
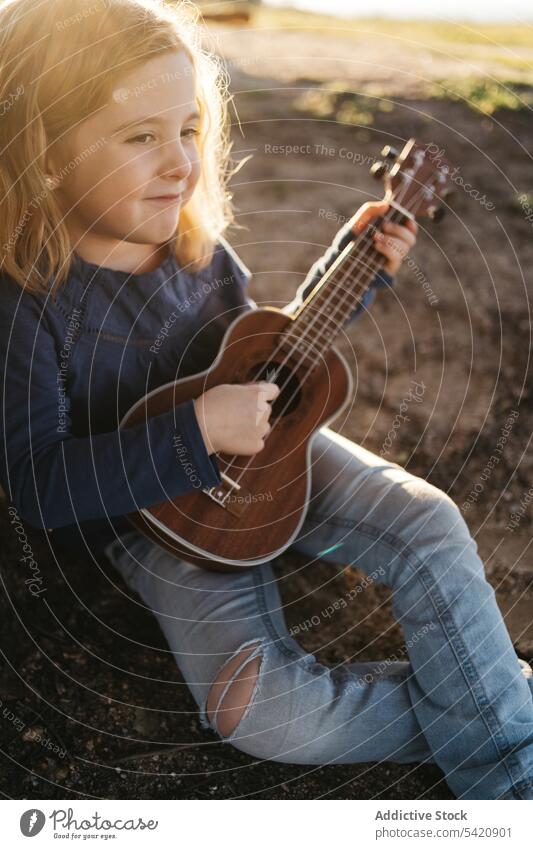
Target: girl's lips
166, 199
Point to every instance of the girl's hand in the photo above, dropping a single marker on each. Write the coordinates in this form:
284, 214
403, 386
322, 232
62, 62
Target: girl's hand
234, 418
396, 240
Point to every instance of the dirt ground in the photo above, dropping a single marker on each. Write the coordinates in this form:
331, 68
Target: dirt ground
86, 710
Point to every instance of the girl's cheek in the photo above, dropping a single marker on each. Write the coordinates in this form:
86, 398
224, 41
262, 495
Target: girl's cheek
130, 173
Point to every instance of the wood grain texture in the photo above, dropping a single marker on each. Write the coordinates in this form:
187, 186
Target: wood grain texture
263, 516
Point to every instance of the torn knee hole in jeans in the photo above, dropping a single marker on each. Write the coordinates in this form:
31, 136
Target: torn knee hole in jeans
233, 689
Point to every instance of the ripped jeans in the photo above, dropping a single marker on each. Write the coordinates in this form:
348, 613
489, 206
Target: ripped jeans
460, 701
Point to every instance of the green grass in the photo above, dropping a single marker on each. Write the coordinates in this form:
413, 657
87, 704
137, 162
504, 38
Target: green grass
498, 59
424, 32
484, 95
506, 47
335, 100
503, 87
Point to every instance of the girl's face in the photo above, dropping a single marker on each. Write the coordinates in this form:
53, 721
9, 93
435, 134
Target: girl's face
113, 178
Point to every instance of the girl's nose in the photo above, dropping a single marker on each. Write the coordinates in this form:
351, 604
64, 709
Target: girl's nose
175, 159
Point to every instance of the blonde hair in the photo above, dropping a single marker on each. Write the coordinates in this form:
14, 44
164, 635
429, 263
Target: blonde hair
59, 61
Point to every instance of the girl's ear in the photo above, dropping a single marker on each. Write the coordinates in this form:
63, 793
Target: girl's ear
51, 168
50, 178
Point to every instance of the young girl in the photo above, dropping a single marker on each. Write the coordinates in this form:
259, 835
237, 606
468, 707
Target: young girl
116, 278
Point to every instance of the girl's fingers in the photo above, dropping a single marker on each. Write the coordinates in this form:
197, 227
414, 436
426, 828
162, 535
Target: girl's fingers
391, 246
395, 250
405, 233
368, 211
395, 241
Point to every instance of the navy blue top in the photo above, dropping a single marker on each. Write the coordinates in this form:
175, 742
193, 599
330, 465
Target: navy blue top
73, 366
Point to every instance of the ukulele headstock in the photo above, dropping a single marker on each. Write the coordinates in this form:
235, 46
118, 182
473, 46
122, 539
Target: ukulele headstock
416, 179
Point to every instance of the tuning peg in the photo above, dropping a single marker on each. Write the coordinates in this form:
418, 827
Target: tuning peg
437, 213
378, 170
389, 152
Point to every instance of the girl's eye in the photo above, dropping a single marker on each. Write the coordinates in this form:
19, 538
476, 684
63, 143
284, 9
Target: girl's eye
190, 133
141, 136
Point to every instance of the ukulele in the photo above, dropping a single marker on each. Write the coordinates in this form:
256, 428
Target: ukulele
260, 505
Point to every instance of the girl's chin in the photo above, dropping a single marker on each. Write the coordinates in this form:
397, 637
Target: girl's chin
157, 232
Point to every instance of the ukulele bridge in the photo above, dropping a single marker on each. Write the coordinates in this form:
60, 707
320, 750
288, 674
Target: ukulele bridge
230, 495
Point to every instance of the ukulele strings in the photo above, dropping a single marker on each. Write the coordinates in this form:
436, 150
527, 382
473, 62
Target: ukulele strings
369, 249
355, 293
368, 252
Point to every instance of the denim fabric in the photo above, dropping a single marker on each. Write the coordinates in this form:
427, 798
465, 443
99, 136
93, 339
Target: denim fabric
460, 701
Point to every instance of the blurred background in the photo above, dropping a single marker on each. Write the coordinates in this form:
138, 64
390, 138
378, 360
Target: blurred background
318, 89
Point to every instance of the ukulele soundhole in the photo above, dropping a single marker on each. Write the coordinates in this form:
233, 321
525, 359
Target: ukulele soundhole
284, 377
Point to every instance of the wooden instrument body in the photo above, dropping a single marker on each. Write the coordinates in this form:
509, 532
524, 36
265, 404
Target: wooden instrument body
260, 519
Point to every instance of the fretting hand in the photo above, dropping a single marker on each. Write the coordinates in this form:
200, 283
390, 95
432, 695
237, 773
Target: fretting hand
396, 240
